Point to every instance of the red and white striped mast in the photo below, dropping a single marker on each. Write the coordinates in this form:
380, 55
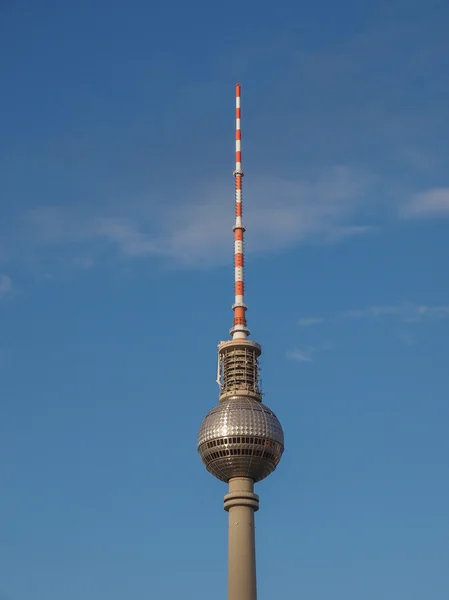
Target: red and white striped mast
239, 329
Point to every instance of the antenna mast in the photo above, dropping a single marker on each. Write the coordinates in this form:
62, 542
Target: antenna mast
239, 329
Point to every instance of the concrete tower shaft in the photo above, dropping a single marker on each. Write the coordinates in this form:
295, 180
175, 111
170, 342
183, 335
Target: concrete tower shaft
241, 503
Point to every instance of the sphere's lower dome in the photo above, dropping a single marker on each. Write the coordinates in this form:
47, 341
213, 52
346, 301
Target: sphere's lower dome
241, 437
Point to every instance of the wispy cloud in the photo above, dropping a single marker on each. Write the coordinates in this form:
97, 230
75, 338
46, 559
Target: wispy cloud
407, 312
301, 356
5, 285
376, 311
196, 233
308, 354
431, 203
326, 208
309, 321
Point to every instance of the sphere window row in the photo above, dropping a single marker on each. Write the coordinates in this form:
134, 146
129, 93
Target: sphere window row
241, 452
243, 440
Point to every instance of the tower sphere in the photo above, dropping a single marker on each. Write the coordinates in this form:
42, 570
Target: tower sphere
241, 437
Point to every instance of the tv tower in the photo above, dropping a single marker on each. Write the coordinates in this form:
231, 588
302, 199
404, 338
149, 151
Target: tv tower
240, 440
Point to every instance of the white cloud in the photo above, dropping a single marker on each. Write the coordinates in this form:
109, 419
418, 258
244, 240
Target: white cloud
431, 203
306, 355
434, 311
371, 311
300, 356
407, 313
279, 214
198, 232
5, 285
125, 235
309, 321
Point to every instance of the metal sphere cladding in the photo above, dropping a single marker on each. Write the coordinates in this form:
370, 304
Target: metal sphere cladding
240, 437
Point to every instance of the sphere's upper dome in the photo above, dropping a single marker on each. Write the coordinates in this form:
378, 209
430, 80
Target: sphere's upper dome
241, 437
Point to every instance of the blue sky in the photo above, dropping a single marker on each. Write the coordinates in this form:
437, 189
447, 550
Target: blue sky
116, 213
